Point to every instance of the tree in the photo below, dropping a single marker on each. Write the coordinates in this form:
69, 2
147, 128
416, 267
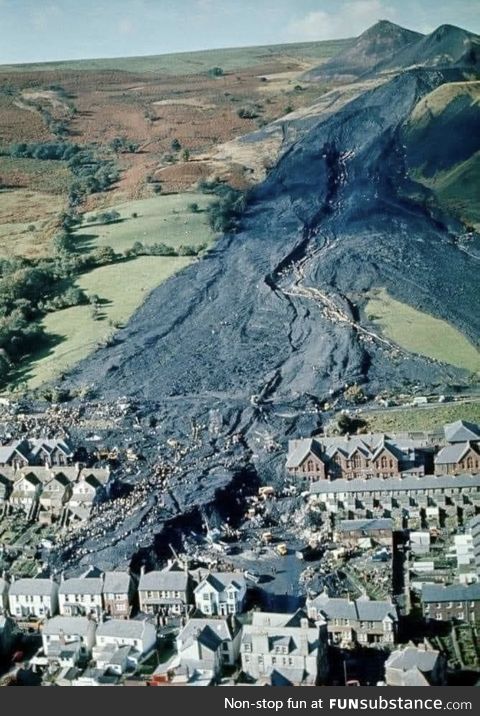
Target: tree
63, 243
193, 207
187, 250
186, 155
175, 145
247, 113
216, 72
104, 255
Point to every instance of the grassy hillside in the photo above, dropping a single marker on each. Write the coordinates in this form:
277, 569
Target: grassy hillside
166, 219
429, 418
75, 332
420, 333
437, 158
189, 63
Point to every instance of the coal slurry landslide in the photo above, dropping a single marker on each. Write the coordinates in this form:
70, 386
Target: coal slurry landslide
269, 324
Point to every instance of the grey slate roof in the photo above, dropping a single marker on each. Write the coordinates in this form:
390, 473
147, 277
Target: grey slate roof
413, 658
362, 609
49, 445
116, 583
31, 586
167, 579
220, 581
384, 523
125, 628
451, 593
20, 446
209, 638
452, 454
286, 676
370, 445
461, 431
67, 625
194, 627
298, 450
81, 585
376, 484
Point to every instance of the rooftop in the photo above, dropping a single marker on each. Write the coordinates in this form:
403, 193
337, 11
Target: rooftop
451, 593
461, 431
80, 626
365, 525
410, 483
82, 585
125, 628
166, 579
32, 586
116, 583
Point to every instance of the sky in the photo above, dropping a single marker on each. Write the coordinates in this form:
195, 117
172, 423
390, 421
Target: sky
43, 30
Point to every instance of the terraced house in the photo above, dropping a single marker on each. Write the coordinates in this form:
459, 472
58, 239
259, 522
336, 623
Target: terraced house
362, 621
118, 591
433, 497
37, 597
166, 592
365, 456
33, 451
82, 596
454, 602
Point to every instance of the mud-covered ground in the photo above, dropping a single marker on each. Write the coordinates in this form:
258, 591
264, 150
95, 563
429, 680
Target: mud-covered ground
268, 325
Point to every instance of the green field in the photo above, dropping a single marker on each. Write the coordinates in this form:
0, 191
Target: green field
458, 189
414, 419
161, 219
75, 333
189, 63
420, 333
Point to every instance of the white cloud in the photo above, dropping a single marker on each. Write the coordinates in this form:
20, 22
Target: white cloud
349, 20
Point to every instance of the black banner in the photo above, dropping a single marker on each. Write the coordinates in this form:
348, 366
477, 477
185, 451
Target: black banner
235, 700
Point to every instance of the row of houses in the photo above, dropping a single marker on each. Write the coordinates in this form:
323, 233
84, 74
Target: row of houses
269, 648
167, 592
92, 595
115, 645
402, 497
53, 494
377, 455
457, 603
36, 451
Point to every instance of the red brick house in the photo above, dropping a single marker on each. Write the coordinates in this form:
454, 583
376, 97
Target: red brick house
353, 457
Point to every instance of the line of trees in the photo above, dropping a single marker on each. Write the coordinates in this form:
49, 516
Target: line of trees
92, 173
161, 249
